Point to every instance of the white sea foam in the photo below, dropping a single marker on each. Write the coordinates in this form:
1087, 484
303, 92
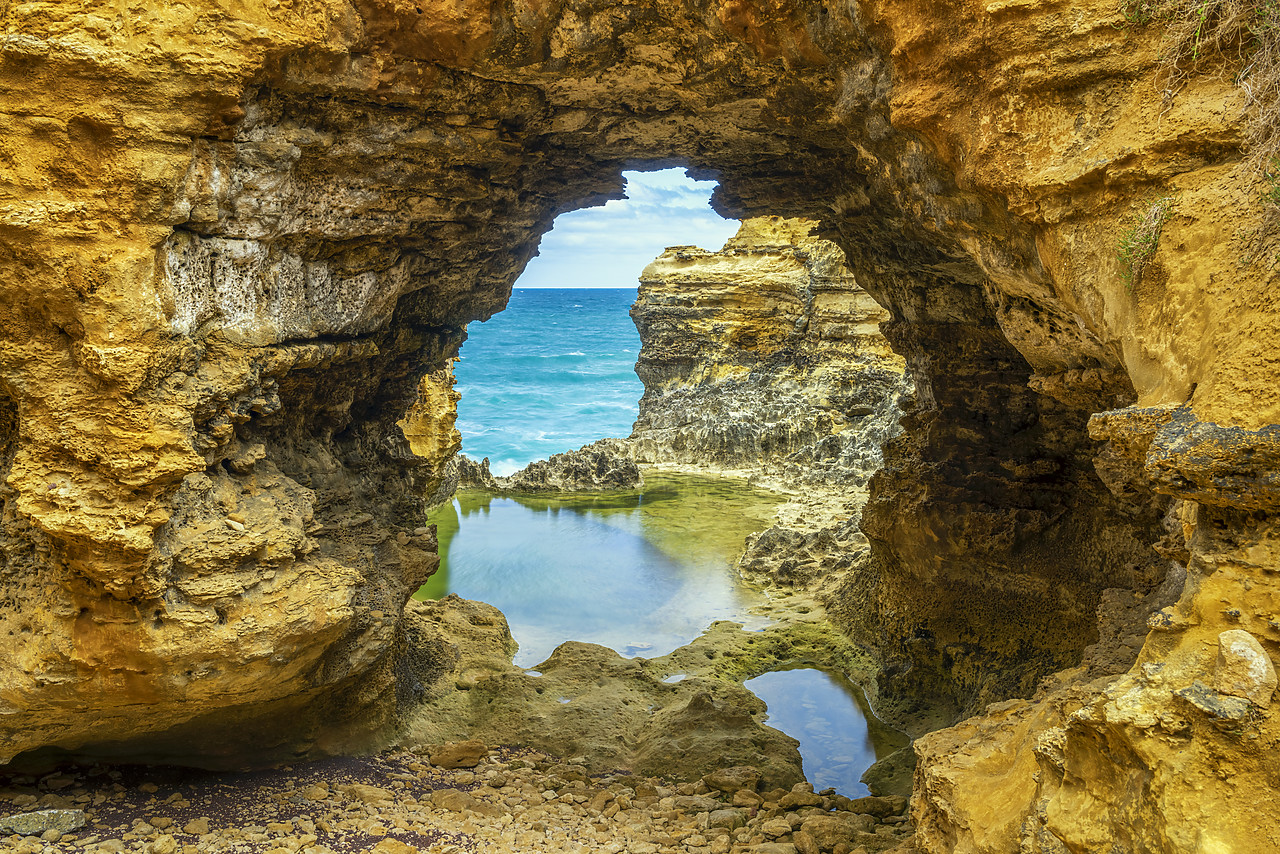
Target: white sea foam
519, 401
505, 468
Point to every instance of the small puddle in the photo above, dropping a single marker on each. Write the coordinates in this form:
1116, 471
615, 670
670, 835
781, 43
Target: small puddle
839, 737
640, 572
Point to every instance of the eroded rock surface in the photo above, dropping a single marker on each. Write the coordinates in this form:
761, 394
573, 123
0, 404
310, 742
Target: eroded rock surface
612, 712
767, 356
599, 467
233, 241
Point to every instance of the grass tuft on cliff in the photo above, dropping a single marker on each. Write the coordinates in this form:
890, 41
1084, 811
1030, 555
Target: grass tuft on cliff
1196, 31
1140, 239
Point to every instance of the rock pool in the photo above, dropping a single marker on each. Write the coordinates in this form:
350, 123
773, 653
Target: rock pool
640, 572
839, 737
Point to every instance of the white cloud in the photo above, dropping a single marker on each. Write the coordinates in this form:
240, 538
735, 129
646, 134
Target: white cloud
609, 246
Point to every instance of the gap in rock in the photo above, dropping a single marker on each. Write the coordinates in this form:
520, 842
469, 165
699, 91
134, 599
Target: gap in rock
771, 356
555, 370
8, 437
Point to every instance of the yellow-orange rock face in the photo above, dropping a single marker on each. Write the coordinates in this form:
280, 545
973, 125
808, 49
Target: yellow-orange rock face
235, 236
765, 355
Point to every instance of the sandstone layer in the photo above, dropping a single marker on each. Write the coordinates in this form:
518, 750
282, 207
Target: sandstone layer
766, 356
234, 238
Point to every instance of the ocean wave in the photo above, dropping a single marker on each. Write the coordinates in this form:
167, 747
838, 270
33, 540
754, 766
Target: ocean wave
506, 467
551, 373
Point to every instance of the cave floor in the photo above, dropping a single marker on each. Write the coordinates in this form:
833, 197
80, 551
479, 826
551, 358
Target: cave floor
398, 803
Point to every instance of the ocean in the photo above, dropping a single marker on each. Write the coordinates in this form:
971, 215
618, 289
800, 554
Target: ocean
553, 372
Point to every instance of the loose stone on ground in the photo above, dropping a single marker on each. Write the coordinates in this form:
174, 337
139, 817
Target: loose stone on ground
401, 803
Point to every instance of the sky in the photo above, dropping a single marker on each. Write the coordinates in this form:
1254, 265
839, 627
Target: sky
607, 247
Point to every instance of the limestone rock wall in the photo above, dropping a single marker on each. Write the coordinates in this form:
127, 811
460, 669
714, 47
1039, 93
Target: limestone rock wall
602, 466
234, 237
765, 355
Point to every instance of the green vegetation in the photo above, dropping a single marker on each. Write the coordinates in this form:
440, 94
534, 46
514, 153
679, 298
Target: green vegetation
1140, 239
1271, 191
1196, 31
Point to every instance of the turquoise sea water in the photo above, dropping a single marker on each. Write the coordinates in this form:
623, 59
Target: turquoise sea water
551, 373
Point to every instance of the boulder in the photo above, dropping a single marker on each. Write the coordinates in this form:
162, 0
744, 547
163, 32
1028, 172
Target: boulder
804, 843
793, 800
1243, 668
729, 819
41, 821
830, 830
457, 754
367, 794
775, 828
696, 803
878, 807
455, 800
730, 780
393, 846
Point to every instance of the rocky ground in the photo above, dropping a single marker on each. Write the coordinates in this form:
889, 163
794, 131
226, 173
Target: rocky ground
592, 468
441, 799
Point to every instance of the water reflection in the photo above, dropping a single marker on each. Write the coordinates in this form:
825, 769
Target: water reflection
640, 572
839, 737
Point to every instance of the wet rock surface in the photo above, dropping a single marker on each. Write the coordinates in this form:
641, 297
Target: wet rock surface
401, 803
765, 356
682, 715
598, 467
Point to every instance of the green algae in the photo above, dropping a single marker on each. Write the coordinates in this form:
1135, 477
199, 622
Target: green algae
640, 571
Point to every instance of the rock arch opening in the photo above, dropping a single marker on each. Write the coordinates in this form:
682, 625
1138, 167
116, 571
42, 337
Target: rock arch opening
555, 370
336, 237
315, 207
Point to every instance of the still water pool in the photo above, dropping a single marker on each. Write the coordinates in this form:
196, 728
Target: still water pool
640, 572
643, 573
839, 737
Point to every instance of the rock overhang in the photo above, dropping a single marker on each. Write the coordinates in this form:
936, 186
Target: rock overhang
240, 270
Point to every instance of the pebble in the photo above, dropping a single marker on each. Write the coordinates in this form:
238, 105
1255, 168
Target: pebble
196, 827
508, 801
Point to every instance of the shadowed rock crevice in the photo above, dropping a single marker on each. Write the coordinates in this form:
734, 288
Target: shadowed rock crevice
8, 438
287, 215
993, 536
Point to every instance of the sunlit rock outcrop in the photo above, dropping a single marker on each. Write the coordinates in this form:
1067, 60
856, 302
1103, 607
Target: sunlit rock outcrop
233, 241
765, 355
599, 467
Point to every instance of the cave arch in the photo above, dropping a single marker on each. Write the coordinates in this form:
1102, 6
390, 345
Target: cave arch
238, 290
341, 223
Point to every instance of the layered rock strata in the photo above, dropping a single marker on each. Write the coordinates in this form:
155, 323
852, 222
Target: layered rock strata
233, 241
765, 359
600, 467
767, 356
